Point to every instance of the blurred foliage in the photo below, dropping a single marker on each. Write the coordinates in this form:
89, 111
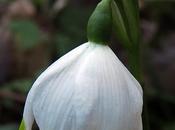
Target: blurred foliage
6, 1
9, 127
14, 91
72, 31
26, 33
21, 86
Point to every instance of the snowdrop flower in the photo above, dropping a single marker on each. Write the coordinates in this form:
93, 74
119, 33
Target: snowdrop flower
87, 89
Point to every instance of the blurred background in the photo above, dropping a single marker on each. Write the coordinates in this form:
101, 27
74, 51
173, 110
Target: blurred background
35, 33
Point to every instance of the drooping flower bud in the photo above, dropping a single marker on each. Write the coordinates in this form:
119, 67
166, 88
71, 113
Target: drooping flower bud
88, 88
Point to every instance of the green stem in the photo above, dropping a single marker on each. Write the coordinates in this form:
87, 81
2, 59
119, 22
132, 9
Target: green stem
135, 66
146, 125
134, 62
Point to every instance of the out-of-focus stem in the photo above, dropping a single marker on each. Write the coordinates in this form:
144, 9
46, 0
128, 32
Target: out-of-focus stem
136, 69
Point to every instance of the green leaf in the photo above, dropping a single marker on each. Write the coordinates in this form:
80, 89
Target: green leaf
22, 126
119, 27
126, 15
131, 10
26, 33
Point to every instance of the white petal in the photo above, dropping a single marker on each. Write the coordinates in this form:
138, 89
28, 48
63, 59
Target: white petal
45, 78
109, 97
88, 89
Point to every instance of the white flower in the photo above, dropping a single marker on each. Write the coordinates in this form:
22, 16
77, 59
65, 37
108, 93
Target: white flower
87, 89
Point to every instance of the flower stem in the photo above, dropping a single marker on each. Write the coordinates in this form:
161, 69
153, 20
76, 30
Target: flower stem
134, 62
136, 69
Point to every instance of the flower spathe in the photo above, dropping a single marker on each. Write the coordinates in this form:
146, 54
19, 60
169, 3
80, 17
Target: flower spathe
87, 89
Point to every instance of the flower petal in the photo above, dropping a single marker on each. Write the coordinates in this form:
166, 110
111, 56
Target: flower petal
45, 78
88, 89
